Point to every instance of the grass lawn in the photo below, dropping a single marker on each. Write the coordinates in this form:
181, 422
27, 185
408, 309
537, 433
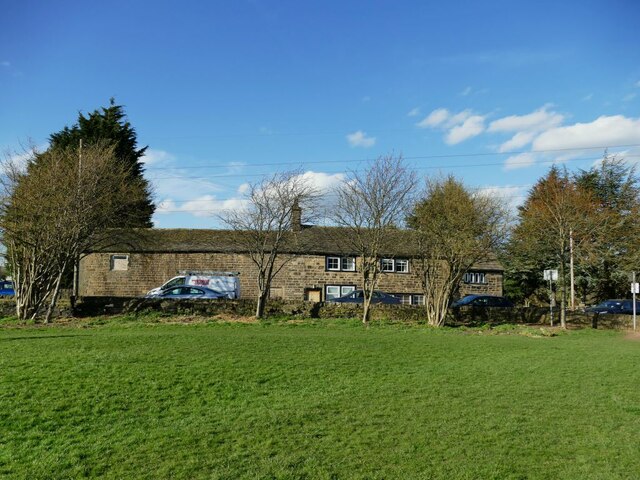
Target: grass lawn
310, 401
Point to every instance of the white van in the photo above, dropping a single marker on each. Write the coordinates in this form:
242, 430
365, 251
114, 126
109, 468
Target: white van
227, 283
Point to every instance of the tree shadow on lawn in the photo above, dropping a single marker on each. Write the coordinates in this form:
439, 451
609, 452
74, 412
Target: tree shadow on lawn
37, 337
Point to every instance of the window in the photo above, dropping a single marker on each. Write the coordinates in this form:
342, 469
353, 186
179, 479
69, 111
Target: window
344, 264
405, 298
348, 264
333, 263
335, 291
476, 278
398, 265
417, 299
402, 265
387, 265
119, 262
410, 298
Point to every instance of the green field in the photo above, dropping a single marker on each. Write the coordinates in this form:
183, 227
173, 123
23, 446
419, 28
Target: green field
316, 401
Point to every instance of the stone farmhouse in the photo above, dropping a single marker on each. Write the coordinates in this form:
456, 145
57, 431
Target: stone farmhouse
318, 267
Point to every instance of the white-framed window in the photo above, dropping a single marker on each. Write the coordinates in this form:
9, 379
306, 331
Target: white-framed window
410, 298
335, 291
402, 265
474, 278
344, 264
119, 262
397, 265
349, 264
387, 265
405, 298
333, 263
417, 299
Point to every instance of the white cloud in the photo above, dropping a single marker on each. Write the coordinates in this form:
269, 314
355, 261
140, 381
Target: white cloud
603, 131
459, 126
155, 157
204, 206
471, 127
511, 195
414, 112
629, 97
324, 182
360, 139
523, 160
465, 92
587, 97
435, 118
519, 140
526, 127
541, 119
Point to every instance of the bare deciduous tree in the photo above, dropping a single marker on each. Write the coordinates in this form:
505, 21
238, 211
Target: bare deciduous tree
268, 223
54, 208
371, 205
455, 229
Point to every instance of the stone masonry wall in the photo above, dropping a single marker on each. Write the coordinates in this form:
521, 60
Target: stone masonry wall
149, 270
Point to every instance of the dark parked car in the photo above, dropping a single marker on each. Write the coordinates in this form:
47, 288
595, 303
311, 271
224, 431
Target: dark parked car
615, 306
190, 292
357, 296
482, 301
6, 288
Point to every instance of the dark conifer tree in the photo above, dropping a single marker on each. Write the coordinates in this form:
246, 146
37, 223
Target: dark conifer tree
110, 125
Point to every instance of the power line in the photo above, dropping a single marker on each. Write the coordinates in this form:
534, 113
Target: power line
417, 157
331, 194
430, 167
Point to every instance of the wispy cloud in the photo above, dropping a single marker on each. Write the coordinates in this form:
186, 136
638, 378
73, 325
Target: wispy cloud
5, 64
414, 112
360, 139
458, 126
525, 127
629, 97
471, 127
465, 92
157, 157
587, 97
522, 160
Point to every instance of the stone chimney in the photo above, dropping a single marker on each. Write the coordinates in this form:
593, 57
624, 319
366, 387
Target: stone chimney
296, 217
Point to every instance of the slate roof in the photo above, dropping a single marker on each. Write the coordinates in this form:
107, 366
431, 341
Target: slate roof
311, 240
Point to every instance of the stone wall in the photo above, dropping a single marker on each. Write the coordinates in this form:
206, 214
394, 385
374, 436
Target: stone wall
300, 274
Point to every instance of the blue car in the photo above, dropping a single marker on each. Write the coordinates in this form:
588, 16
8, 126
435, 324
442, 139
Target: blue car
191, 292
482, 301
6, 289
357, 296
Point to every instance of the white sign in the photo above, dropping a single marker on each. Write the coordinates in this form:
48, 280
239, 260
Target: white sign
635, 287
551, 275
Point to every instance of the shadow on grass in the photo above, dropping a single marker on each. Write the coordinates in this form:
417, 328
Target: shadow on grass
37, 337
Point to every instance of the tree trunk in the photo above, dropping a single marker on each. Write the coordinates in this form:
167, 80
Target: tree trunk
262, 302
366, 310
54, 298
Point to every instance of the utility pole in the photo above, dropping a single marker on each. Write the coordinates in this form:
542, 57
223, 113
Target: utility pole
76, 272
573, 306
634, 289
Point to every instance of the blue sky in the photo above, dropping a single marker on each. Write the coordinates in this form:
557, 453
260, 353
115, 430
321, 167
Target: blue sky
491, 91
